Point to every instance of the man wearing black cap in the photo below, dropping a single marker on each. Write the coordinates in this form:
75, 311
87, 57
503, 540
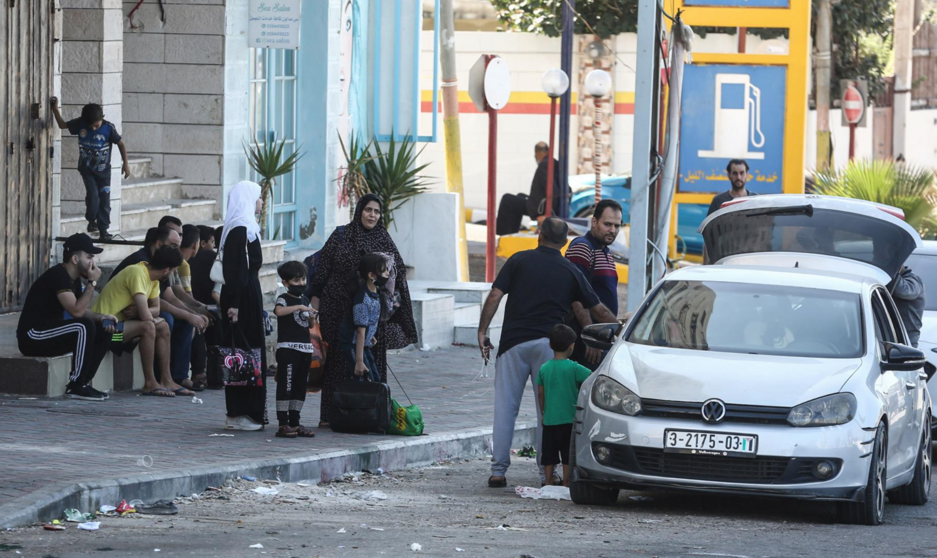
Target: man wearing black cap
57, 320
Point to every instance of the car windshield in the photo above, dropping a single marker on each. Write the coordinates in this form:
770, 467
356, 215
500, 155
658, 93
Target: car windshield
752, 319
925, 267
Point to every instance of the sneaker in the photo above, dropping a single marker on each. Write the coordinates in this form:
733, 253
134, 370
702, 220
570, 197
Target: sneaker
102, 394
85, 393
104, 235
92, 228
241, 423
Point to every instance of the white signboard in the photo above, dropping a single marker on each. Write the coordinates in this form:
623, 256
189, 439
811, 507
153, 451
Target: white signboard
274, 24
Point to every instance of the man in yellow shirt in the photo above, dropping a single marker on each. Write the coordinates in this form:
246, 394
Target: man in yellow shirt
133, 297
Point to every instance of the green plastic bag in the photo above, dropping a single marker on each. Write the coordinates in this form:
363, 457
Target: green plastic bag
405, 421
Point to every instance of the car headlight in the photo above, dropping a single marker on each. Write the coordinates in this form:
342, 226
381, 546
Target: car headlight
611, 396
825, 411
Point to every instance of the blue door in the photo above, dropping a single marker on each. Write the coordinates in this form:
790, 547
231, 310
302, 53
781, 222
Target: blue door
273, 119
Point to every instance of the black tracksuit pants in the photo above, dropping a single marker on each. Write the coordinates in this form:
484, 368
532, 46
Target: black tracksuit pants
292, 374
83, 337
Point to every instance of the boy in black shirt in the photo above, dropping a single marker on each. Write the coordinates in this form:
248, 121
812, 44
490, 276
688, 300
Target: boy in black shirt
95, 137
294, 349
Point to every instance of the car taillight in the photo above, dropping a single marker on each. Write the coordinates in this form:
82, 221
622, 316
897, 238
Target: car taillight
893, 211
733, 202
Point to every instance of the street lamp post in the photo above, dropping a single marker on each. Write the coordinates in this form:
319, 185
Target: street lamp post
598, 84
555, 82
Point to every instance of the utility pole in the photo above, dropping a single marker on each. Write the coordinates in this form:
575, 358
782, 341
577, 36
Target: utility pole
823, 65
904, 41
566, 64
645, 109
452, 135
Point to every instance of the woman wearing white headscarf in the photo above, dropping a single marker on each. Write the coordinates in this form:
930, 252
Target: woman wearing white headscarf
242, 299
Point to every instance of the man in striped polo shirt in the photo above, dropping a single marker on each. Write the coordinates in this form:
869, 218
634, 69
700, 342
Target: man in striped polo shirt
590, 254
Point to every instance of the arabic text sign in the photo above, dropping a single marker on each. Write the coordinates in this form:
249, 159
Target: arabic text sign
732, 112
274, 24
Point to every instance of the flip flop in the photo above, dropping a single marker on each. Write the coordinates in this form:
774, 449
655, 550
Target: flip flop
185, 392
158, 392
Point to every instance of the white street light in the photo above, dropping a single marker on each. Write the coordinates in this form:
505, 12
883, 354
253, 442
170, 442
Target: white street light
598, 84
555, 82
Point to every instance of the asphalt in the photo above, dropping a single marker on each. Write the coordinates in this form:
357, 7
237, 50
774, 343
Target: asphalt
57, 454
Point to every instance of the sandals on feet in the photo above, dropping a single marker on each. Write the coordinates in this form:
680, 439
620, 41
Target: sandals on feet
158, 392
286, 432
324, 424
497, 482
304, 432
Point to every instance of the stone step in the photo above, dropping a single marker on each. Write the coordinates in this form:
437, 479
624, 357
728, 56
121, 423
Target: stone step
467, 334
145, 215
140, 167
466, 312
135, 191
269, 280
433, 315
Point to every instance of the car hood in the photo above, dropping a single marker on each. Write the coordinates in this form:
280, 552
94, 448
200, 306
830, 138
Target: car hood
682, 375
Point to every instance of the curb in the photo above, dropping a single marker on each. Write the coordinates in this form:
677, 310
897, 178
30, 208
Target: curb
45, 505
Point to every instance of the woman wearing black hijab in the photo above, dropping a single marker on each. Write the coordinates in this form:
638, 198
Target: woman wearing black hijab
330, 294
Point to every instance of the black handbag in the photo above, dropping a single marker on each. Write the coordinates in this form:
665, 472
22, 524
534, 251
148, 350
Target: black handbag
240, 363
359, 407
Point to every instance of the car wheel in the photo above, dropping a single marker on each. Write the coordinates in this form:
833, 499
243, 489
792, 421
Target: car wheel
871, 511
916, 492
583, 493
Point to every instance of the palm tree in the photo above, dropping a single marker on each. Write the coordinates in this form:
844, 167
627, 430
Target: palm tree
268, 162
906, 187
394, 175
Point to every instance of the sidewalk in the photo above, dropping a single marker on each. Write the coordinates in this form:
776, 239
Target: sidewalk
62, 453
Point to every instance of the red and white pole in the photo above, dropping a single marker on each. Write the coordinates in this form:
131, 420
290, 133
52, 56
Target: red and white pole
549, 209
597, 151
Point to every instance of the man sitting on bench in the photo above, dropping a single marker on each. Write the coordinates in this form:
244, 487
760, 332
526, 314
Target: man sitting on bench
57, 320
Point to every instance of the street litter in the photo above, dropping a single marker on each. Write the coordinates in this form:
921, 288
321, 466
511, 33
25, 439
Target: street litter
76, 516
265, 490
342, 531
258, 545
649, 521
135, 503
196, 400
416, 547
90, 526
51, 527
145, 461
527, 451
247, 478
107, 509
123, 507
155, 550
506, 528
457, 549
373, 495
161, 507
303, 484
375, 528
221, 435
641, 498
545, 493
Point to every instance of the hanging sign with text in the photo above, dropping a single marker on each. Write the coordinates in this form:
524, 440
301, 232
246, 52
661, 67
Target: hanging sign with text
274, 24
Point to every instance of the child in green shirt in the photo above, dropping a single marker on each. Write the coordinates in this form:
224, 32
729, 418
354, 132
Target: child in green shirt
559, 381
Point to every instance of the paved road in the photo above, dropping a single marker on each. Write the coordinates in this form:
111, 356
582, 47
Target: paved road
46, 442
446, 507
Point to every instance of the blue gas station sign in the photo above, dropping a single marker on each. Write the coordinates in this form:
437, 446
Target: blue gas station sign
732, 112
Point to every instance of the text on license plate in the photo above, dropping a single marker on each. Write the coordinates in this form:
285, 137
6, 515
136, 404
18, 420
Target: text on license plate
710, 443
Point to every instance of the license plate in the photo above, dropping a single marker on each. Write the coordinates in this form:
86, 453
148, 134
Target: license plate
710, 443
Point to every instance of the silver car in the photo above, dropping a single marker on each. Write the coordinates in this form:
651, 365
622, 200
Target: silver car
781, 370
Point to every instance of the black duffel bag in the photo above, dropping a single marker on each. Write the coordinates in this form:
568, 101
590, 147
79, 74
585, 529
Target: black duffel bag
359, 407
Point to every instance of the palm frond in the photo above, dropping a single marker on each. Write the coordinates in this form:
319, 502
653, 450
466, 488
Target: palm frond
394, 174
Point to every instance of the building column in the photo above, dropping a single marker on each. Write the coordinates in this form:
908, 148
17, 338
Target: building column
92, 65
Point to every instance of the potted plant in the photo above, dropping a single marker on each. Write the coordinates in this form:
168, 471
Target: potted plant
268, 162
394, 175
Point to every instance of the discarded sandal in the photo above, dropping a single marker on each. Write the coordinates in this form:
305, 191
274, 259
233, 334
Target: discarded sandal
161, 507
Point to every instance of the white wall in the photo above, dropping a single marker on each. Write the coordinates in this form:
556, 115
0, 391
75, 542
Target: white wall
922, 138
425, 231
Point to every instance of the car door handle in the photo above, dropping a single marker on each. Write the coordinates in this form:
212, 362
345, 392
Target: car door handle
922, 376
910, 385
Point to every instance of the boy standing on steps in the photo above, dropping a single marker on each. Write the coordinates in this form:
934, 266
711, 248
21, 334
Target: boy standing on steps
95, 138
559, 380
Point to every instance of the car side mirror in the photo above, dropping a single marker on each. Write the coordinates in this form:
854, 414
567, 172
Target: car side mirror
600, 336
902, 358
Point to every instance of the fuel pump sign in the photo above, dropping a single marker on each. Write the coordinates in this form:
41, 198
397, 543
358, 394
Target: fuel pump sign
732, 112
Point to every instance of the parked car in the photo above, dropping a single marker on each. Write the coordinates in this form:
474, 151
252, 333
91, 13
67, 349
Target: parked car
618, 188
924, 263
782, 370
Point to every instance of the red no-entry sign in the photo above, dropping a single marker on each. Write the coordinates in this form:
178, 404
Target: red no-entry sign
853, 105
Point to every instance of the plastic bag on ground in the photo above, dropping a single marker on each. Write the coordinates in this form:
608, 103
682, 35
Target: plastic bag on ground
76, 516
545, 493
90, 526
264, 490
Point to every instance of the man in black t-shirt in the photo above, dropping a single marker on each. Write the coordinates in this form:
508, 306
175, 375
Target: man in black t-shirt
543, 286
57, 320
737, 169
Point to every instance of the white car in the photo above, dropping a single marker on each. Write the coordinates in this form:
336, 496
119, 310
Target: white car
924, 263
781, 370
